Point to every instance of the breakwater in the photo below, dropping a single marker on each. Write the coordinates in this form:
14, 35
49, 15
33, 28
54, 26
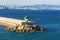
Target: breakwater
18, 25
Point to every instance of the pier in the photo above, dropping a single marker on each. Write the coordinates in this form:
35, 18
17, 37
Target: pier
18, 25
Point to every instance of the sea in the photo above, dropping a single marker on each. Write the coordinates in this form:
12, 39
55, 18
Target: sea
49, 19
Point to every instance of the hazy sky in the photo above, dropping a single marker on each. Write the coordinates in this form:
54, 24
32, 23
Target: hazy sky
29, 2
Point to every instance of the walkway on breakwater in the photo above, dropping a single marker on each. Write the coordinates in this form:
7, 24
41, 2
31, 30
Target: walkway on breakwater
10, 21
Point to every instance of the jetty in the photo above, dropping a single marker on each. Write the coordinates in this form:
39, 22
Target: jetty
18, 25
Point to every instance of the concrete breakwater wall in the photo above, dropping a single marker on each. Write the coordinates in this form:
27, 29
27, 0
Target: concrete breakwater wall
16, 25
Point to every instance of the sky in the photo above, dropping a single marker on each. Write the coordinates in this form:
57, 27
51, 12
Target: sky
29, 2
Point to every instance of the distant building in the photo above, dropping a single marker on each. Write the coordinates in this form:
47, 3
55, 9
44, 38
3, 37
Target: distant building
3, 7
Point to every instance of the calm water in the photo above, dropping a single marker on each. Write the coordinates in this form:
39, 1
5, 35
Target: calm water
45, 18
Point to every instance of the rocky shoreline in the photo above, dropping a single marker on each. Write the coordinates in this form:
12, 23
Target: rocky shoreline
25, 28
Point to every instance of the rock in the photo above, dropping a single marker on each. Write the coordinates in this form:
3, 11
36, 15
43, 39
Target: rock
25, 28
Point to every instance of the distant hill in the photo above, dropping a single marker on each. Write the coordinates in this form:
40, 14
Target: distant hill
34, 7
41, 7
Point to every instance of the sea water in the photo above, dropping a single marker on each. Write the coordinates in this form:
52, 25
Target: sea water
49, 19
